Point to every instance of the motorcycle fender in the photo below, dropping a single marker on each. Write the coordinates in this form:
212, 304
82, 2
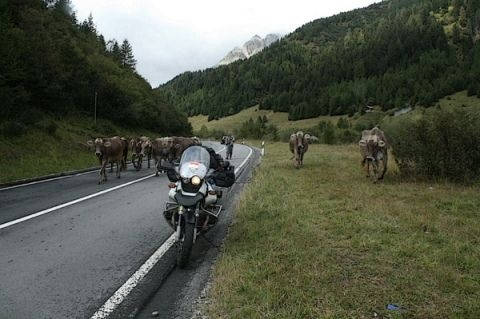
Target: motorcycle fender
190, 216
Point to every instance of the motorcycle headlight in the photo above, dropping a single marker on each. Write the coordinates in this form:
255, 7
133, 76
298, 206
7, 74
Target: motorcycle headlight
196, 180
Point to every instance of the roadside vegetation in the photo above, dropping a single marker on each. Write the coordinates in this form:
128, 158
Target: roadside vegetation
54, 146
324, 242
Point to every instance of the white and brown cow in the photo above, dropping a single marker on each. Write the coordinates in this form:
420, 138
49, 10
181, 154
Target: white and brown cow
374, 151
108, 150
298, 147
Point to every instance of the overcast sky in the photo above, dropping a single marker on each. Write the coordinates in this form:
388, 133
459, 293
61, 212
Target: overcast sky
170, 37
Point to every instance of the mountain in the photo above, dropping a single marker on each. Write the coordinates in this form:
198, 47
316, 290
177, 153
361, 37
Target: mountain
249, 48
394, 54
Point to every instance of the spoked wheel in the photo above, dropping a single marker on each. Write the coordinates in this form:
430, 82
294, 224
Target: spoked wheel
185, 244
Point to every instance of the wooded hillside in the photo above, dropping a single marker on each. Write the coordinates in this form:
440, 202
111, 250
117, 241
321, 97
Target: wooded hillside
53, 65
394, 54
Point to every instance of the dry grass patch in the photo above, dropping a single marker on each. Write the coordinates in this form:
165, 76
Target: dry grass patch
324, 242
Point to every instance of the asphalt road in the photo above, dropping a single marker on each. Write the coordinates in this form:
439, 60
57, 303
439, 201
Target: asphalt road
72, 257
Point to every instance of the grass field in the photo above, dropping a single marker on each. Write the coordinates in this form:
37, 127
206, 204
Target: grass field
279, 119
38, 153
324, 242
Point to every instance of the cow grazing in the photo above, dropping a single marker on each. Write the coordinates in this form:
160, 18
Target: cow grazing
374, 151
108, 150
299, 146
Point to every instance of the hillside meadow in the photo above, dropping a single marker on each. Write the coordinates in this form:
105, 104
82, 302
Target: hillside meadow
55, 146
232, 123
323, 241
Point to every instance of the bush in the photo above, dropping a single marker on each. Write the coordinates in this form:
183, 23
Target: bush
439, 144
49, 126
13, 129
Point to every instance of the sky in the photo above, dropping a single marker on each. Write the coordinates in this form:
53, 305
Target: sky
171, 37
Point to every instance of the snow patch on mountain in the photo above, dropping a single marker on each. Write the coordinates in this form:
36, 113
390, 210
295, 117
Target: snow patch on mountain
249, 48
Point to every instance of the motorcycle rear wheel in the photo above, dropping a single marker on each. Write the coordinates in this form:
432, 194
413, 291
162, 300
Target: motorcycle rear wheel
185, 245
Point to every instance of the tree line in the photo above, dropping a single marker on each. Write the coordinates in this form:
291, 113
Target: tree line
394, 54
51, 64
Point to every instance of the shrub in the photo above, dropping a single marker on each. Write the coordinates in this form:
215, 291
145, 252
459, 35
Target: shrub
48, 126
440, 143
13, 129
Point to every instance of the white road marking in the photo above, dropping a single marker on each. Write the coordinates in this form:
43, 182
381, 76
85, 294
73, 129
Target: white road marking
55, 178
132, 282
52, 209
114, 301
48, 180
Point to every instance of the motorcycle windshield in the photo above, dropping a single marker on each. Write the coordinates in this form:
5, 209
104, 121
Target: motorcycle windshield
195, 161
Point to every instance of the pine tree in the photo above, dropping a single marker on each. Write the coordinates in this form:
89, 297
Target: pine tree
126, 53
88, 25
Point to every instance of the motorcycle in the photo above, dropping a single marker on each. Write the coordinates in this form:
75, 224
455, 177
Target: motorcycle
193, 207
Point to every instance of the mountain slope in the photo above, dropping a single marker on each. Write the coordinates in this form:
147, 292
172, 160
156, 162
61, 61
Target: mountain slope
393, 53
52, 65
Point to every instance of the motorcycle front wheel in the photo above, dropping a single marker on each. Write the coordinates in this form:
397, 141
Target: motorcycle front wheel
185, 245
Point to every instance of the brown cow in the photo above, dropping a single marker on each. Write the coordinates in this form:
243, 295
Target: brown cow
182, 143
298, 146
125, 153
141, 146
108, 150
162, 151
374, 151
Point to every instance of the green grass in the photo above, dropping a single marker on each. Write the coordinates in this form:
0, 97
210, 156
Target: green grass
280, 119
324, 242
38, 153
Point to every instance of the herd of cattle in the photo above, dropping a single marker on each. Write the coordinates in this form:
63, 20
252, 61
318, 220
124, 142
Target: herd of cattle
115, 150
373, 149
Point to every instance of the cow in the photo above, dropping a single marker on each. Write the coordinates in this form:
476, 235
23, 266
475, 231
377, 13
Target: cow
374, 152
162, 150
125, 154
108, 150
140, 146
299, 146
182, 143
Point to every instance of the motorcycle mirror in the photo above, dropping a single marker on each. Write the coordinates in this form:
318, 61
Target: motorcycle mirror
172, 175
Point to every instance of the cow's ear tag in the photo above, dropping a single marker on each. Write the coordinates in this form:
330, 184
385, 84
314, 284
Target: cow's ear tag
107, 144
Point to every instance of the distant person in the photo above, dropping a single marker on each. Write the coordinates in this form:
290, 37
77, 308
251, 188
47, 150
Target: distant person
229, 143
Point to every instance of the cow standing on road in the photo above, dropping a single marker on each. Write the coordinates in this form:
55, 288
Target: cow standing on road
162, 151
374, 151
182, 143
298, 146
125, 154
141, 146
108, 150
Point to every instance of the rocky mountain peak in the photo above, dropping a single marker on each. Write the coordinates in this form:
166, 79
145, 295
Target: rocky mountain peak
249, 48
